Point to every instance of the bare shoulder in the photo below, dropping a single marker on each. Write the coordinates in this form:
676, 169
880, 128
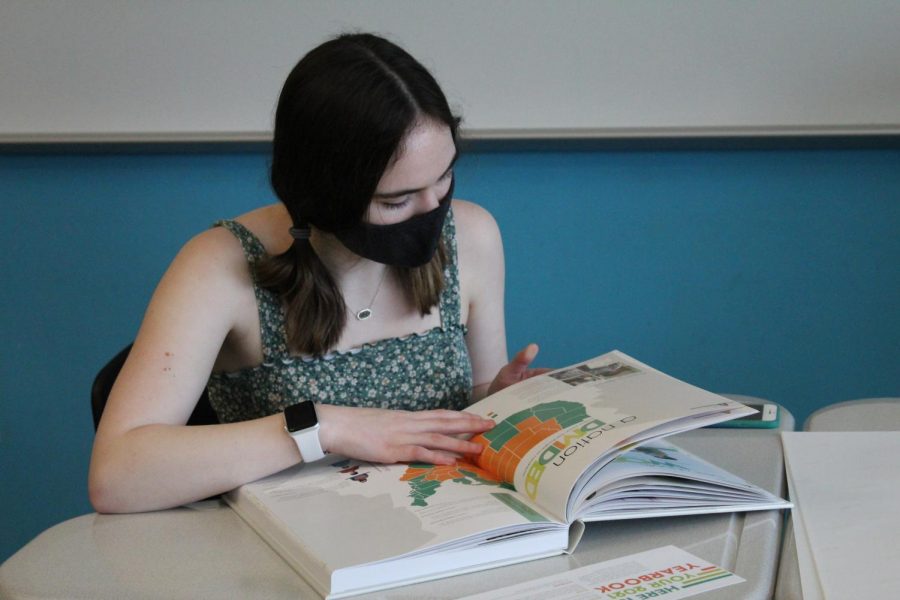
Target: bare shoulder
476, 230
215, 252
270, 224
218, 251
214, 258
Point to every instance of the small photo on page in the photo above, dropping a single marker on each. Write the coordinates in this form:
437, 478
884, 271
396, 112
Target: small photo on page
587, 374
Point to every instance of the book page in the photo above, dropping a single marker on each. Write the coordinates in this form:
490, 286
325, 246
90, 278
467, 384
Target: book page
353, 512
555, 428
658, 479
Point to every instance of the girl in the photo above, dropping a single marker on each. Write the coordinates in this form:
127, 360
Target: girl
357, 316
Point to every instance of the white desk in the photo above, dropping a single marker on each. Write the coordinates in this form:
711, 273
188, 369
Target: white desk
208, 552
875, 414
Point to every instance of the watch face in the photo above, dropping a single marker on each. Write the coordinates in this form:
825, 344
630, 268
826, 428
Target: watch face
300, 416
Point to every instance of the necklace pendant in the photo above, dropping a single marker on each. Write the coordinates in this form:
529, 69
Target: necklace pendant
364, 314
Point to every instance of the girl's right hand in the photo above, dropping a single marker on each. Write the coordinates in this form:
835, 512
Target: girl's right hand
392, 436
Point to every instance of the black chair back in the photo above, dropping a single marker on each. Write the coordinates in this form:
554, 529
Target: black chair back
203, 413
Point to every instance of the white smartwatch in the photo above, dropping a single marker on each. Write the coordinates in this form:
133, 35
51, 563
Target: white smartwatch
302, 424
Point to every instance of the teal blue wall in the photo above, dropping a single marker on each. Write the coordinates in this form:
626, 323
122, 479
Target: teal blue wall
768, 273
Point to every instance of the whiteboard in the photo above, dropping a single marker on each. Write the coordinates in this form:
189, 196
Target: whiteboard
207, 70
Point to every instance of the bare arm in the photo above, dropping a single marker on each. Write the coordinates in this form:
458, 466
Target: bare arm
482, 274
144, 458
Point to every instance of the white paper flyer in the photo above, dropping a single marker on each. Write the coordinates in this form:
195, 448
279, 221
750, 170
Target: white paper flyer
667, 572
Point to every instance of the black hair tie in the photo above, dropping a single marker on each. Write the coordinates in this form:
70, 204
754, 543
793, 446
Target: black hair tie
300, 233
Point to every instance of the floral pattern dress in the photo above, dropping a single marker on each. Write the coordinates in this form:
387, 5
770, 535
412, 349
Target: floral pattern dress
416, 372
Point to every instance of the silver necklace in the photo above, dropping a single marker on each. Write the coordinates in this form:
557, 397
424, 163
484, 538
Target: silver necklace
366, 312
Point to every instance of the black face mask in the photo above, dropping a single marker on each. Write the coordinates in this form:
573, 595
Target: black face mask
410, 243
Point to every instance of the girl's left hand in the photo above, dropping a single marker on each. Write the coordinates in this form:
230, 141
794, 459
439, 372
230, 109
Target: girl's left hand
517, 370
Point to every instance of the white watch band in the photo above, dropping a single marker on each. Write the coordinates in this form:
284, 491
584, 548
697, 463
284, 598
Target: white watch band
308, 443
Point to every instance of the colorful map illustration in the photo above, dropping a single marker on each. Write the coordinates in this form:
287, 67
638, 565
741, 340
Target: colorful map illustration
424, 479
504, 446
346, 467
507, 443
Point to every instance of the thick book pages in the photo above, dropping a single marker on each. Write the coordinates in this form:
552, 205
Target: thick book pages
578, 444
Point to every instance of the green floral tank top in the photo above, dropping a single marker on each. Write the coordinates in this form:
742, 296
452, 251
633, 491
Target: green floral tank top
416, 372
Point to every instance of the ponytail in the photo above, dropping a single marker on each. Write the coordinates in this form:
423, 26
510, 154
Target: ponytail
315, 313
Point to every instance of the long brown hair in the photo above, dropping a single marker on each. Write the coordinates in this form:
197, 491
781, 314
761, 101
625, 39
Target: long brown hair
342, 115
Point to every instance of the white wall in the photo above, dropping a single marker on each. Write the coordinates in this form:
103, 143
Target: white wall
84, 70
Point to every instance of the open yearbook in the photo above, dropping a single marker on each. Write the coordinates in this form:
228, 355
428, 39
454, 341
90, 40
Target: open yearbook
575, 445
